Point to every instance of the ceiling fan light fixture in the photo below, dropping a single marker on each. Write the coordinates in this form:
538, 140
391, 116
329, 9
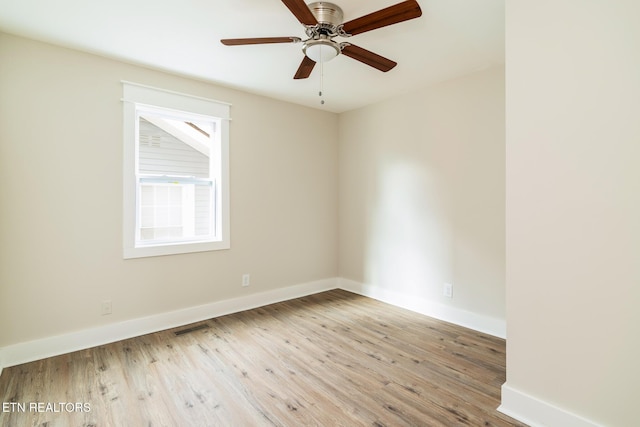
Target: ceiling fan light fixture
321, 50
323, 21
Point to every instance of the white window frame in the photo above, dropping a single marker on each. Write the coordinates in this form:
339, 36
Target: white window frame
140, 96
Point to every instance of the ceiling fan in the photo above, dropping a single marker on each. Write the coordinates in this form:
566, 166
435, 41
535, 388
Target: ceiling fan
323, 22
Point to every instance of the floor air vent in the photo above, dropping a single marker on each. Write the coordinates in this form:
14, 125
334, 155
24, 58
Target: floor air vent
189, 330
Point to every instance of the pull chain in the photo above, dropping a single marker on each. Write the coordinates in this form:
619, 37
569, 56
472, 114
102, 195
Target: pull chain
321, 79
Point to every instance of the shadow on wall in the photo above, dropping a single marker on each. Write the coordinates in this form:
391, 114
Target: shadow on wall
409, 248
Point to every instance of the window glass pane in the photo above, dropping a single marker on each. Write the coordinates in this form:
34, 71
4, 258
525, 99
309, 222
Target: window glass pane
146, 216
160, 233
175, 195
173, 147
162, 194
146, 195
175, 211
147, 234
202, 210
175, 216
175, 232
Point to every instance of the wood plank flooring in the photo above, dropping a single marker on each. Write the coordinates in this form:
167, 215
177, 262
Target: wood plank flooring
331, 359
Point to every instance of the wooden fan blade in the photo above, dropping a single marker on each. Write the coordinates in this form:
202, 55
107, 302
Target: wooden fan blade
367, 57
305, 68
301, 11
259, 40
400, 12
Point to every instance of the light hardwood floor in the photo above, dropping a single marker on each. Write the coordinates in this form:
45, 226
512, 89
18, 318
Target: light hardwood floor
331, 359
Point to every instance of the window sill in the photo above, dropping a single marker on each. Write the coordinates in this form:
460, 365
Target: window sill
173, 249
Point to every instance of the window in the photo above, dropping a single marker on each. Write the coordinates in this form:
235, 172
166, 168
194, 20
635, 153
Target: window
176, 186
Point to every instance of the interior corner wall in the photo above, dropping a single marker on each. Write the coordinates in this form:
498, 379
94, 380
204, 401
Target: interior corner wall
421, 196
573, 207
61, 197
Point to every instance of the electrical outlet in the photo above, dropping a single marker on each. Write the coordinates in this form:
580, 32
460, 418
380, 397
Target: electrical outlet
106, 307
246, 279
447, 290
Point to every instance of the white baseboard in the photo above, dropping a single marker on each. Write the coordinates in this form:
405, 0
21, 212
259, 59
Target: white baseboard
538, 413
61, 344
489, 325
516, 404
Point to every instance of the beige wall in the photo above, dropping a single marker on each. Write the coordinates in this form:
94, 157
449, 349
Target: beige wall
61, 197
421, 196
573, 205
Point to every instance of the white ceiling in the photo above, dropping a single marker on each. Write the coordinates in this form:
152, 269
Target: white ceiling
451, 38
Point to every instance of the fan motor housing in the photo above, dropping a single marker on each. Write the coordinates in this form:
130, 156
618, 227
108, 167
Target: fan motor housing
326, 13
